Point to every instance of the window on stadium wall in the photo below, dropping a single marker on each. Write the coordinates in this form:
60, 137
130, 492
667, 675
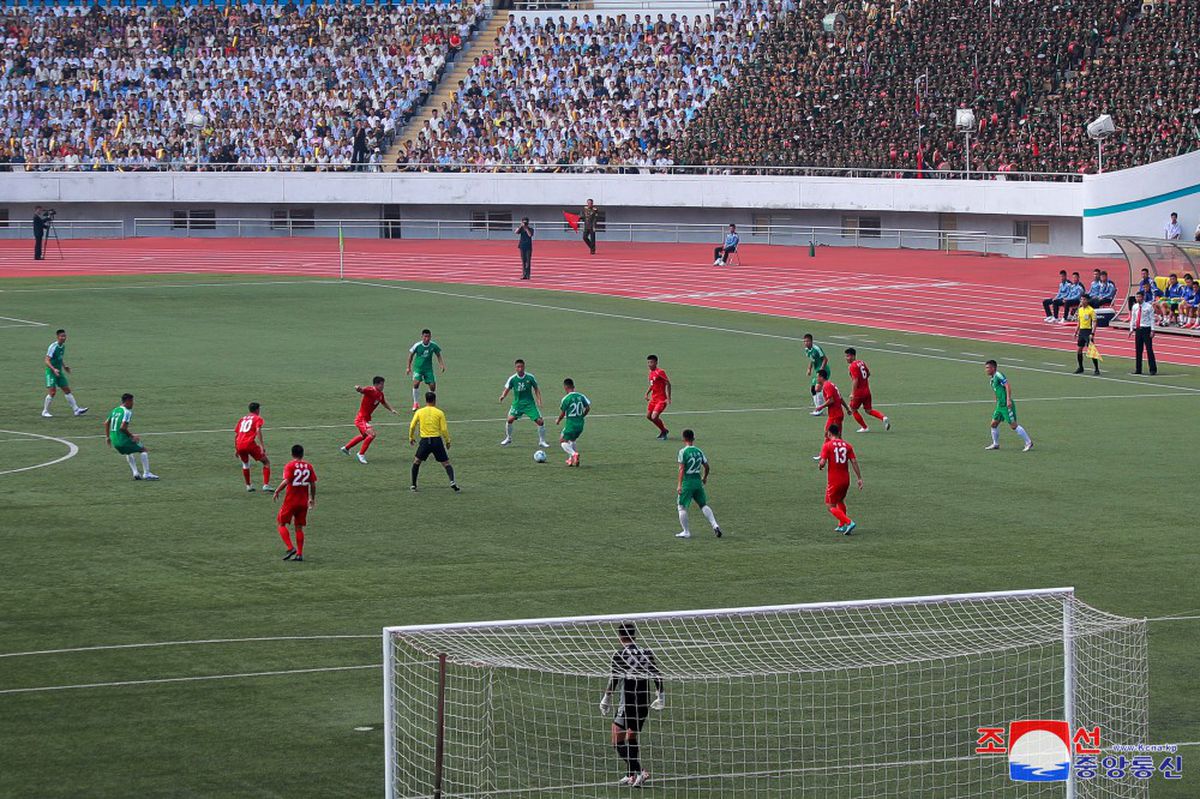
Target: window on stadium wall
292, 219
491, 221
1035, 232
863, 227
194, 219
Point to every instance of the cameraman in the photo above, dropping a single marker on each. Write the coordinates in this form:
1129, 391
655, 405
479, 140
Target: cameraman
42, 218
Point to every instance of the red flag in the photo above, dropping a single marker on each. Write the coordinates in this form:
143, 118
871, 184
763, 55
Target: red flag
572, 220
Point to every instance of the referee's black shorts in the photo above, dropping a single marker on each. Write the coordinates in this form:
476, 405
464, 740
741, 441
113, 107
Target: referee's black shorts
432, 446
1084, 337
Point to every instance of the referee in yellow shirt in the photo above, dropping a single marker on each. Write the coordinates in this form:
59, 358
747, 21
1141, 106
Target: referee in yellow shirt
1085, 333
435, 438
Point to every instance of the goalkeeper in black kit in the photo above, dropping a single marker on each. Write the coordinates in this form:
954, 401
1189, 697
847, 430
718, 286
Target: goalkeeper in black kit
633, 669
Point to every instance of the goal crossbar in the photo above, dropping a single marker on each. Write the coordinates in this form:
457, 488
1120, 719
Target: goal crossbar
550, 621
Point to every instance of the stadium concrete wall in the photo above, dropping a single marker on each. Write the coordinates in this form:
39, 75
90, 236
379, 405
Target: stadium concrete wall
1132, 202
1139, 201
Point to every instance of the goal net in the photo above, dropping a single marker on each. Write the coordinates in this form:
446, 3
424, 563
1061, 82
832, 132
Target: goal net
878, 698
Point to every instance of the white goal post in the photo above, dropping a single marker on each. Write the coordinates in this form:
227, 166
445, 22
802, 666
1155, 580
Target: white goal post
872, 698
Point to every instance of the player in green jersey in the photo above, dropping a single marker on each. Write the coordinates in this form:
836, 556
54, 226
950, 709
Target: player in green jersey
574, 408
693, 476
1006, 410
56, 375
818, 364
420, 365
527, 401
120, 438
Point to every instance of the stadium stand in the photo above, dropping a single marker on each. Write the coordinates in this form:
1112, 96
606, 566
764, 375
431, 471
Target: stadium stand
613, 89
115, 86
1034, 73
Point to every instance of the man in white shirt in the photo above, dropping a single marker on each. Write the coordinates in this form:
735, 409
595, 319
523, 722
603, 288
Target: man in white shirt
1172, 231
1141, 327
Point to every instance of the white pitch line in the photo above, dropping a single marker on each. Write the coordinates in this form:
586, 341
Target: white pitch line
24, 322
72, 451
164, 680
716, 329
198, 642
227, 284
640, 414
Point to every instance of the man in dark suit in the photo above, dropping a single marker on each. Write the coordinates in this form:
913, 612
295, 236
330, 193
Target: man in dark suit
41, 226
589, 217
359, 157
525, 245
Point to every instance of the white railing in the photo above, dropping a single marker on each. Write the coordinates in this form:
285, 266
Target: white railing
556, 229
66, 229
190, 166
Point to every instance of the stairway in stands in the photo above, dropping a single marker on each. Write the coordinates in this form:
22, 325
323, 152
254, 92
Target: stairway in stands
448, 85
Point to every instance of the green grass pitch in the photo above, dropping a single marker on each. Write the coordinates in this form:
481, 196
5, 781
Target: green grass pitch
1105, 503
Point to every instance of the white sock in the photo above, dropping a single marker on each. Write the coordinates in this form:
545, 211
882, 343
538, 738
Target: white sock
683, 520
145, 462
996, 436
46, 404
1021, 432
71, 401
417, 395
508, 429
541, 434
816, 400
132, 464
568, 447
708, 514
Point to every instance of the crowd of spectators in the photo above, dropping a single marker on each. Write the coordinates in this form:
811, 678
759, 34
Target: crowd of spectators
879, 90
275, 84
591, 91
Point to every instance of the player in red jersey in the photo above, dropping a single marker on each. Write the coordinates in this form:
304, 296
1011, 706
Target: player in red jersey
300, 483
860, 392
831, 400
248, 442
372, 398
658, 396
839, 456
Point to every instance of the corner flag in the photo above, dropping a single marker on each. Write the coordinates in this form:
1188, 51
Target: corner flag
572, 220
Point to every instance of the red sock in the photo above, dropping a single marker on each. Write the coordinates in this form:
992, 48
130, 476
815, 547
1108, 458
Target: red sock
840, 515
658, 423
246, 474
876, 414
366, 445
858, 418
266, 475
287, 539
842, 507
350, 444
299, 540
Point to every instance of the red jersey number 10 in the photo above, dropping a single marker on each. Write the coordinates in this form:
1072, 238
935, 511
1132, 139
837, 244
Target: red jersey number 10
247, 424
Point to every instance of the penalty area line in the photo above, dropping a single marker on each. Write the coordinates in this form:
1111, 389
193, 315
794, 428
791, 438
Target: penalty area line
640, 414
197, 642
167, 680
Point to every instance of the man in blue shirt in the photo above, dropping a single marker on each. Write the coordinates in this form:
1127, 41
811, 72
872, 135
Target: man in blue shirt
1190, 302
1148, 287
1103, 291
1056, 302
1074, 291
728, 248
1168, 303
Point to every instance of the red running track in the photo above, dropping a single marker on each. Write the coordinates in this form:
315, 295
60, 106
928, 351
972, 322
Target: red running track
949, 294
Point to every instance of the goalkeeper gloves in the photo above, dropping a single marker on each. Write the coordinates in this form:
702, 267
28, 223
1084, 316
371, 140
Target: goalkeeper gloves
605, 705
659, 702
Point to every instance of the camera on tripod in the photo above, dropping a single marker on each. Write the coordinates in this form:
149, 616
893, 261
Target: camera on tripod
49, 213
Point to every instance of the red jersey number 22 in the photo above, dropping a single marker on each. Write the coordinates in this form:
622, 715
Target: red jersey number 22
300, 477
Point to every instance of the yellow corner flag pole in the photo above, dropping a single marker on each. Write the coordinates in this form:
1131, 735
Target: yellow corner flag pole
341, 253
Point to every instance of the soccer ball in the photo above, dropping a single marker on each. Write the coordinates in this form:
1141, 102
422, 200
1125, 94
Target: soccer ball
539, 456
